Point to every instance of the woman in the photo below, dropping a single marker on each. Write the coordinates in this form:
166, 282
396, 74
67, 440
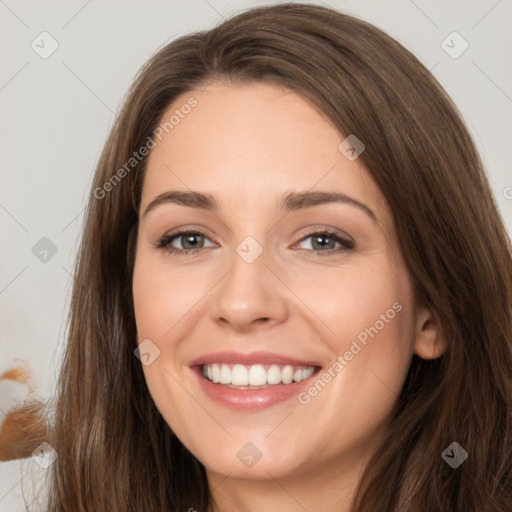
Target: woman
294, 287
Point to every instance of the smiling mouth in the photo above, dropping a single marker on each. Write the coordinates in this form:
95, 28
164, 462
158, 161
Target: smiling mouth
257, 376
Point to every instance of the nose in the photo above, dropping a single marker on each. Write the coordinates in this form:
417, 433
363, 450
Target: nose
250, 294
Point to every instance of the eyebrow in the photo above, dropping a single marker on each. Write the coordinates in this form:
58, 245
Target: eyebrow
291, 202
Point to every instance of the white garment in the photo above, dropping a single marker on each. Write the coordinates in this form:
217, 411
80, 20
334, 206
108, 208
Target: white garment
24, 485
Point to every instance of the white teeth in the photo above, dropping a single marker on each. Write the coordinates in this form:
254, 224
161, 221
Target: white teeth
307, 373
255, 375
274, 375
239, 375
287, 375
225, 374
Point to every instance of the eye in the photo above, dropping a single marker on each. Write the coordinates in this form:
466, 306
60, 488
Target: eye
324, 242
191, 241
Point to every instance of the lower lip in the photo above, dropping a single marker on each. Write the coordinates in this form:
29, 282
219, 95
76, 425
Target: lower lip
250, 399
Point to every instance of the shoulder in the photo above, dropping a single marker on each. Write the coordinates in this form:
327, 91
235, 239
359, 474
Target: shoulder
23, 486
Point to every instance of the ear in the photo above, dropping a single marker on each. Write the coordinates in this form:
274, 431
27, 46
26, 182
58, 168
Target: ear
429, 342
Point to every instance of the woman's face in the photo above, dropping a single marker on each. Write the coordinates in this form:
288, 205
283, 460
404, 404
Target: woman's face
278, 335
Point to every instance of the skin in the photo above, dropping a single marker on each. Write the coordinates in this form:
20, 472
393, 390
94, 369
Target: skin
248, 145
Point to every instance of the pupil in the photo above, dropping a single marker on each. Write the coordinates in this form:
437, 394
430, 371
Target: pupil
318, 240
189, 239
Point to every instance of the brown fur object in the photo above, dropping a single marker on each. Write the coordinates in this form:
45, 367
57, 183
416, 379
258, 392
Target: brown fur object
24, 428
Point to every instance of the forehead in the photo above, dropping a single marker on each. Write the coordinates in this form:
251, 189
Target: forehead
247, 142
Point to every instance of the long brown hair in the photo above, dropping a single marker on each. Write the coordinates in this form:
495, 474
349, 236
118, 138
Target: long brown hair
115, 450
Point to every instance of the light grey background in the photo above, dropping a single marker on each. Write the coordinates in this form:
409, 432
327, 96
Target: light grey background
56, 113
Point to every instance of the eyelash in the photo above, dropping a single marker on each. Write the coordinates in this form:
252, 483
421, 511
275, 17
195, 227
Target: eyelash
165, 241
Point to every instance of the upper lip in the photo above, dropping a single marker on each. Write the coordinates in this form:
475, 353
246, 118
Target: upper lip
251, 358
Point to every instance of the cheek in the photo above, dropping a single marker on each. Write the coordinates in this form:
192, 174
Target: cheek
158, 308
373, 339
161, 298
369, 313
355, 299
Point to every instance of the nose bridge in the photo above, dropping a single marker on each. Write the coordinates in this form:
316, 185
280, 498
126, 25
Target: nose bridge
250, 291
